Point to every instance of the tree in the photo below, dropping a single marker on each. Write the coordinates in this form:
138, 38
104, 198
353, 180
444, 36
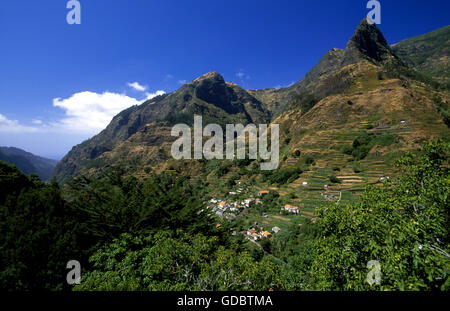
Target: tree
404, 225
39, 233
165, 262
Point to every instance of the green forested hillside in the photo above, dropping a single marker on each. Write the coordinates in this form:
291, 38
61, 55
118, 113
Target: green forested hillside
157, 235
428, 54
28, 163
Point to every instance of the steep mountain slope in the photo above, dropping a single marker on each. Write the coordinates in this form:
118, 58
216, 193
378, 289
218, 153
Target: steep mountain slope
428, 54
141, 134
357, 133
276, 100
28, 163
350, 116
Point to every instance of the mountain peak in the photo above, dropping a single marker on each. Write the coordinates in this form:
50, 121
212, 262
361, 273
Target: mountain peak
213, 75
369, 42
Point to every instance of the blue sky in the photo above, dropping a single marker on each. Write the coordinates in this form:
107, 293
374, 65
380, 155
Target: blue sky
60, 84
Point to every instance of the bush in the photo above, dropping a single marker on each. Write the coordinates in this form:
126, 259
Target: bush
335, 180
232, 181
309, 160
411, 242
224, 168
282, 176
347, 149
357, 168
364, 143
305, 101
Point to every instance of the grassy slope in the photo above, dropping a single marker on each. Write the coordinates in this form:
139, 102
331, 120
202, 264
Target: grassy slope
428, 53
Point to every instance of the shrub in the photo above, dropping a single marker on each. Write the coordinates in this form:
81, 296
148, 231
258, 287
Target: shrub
335, 180
412, 243
357, 168
282, 176
305, 100
309, 160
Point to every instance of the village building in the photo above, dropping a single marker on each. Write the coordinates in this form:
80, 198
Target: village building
251, 231
247, 202
222, 205
263, 193
266, 234
291, 209
276, 229
255, 236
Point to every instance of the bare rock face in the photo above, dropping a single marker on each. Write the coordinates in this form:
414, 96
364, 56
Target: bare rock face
368, 42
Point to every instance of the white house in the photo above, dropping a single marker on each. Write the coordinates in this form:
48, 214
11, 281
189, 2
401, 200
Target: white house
276, 229
291, 209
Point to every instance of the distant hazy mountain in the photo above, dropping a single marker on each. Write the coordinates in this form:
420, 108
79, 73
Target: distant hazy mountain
28, 163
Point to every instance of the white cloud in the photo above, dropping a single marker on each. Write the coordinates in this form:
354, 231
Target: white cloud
153, 95
137, 86
85, 113
13, 126
89, 112
242, 75
279, 86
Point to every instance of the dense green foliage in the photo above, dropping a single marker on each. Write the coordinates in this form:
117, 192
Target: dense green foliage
443, 107
163, 262
282, 176
38, 230
404, 225
157, 235
42, 228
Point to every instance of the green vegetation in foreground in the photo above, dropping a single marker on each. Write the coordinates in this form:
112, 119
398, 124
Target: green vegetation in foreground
156, 235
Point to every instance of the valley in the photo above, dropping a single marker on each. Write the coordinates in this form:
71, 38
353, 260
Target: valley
361, 145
